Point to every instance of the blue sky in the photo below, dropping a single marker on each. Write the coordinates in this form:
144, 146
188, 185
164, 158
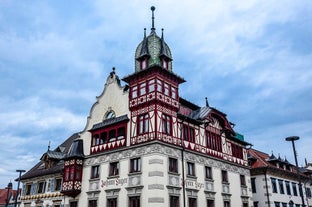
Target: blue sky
252, 59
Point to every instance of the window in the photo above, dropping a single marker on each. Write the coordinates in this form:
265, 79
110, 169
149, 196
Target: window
66, 177
213, 139
72, 172
92, 203
173, 165
134, 201
274, 187
159, 85
245, 204
41, 187
284, 204
134, 92
95, 171
143, 123
226, 203
253, 185
281, 186
151, 85
255, 204
308, 192
112, 202
242, 180
135, 165
192, 202
210, 203
58, 184
174, 201
142, 89
277, 204
224, 176
287, 188
73, 203
103, 138
78, 172
190, 169
294, 187
112, 135
166, 89
96, 140
189, 133
173, 92
166, 124
121, 133
114, 169
208, 172
28, 188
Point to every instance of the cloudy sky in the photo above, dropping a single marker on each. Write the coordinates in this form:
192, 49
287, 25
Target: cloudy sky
252, 59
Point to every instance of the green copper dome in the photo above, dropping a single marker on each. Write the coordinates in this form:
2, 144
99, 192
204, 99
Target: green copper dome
155, 49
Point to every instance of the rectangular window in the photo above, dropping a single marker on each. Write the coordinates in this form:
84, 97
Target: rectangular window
174, 201
277, 204
166, 89
173, 165
281, 186
41, 187
135, 165
134, 201
273, 183
112, 202
73, 203
58, 184
188, 133
159, 85
192, 202
210, 203
142, 89
173, 92
95, 171
28, 188
255, 204
121, 133
245, 204
287, 188
308, 192
166, 124
226, 204
114, 169
224, 175
143, 124
213, 140
134, 92
284, 204
242, 180
190, 169
92, 203
151, 85
294, 187
208, 172
253, 185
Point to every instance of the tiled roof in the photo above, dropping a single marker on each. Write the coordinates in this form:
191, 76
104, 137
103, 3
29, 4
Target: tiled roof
110, 121
4, 195
40, 170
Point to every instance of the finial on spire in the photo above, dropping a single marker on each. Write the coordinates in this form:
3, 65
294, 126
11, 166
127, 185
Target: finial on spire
207, 104
144, 32
153, 9
49, 146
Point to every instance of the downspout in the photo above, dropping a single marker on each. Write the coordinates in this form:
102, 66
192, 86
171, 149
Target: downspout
183, 176
266, 186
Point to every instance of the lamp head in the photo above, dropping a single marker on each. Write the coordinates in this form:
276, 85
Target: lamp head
292, 138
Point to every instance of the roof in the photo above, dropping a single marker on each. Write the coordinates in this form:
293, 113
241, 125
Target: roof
40, 170
4, 195
110, 121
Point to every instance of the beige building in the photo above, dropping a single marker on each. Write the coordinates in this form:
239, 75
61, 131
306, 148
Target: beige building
144, 145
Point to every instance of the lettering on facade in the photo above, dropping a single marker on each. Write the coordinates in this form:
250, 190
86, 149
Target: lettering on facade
114, 182
194, 184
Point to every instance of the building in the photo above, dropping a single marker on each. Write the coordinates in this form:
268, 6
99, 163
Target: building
275, 181
7, 196
144, 145
42, 184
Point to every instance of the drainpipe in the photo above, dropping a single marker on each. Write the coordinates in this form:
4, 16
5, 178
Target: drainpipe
183, 176
266, 186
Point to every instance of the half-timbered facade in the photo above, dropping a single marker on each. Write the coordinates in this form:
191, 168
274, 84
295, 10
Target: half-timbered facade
144, 145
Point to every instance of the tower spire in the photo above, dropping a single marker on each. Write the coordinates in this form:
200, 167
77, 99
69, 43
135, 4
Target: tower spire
153, 9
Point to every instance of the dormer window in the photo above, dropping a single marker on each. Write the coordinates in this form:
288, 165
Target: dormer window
165, 64
143, 64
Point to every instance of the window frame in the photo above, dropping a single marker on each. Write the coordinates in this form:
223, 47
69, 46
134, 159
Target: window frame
112, 202
134, 201
174, 201
173, 165
166, 124
95, 172
191, 169
143, 123
208, 173
114, 168
135, 165
224, 176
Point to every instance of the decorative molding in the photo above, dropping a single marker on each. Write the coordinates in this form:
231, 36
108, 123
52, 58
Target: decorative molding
156, 187
155, 161
156, 173
156, 200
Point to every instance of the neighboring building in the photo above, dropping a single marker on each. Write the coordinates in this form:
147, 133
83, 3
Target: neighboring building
144, 145
42, 184
275, 181
7, 196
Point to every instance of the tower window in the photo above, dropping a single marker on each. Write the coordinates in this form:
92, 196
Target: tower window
142, 89
159, 85
143, 124
151, 85
166, 89
166, 124
173, 92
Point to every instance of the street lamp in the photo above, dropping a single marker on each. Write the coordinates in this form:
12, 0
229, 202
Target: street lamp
18, 184
292, 139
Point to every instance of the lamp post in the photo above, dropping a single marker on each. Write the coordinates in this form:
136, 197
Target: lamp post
18, 184
8, 195
292, 139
